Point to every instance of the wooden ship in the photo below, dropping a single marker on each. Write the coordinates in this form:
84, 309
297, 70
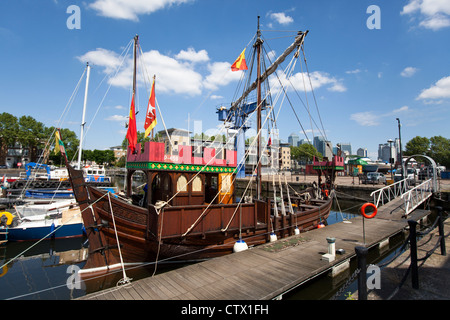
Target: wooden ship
190, 210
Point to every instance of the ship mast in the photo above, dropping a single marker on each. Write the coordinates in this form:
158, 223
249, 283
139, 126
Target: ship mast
136, 38
258, 45
88, 69
256, 85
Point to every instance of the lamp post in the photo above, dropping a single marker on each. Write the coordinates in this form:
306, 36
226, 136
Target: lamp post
400, 145
390, 157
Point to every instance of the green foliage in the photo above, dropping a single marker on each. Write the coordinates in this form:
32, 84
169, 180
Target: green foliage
437, 148
9, 128
417, 145
305, 152
34, 134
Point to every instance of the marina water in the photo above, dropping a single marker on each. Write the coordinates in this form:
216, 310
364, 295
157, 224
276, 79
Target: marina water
47, 270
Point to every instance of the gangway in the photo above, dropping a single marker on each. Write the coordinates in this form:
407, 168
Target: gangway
412, 196
417, 195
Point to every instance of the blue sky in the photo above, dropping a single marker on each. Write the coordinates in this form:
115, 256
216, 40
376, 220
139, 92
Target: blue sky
363, 78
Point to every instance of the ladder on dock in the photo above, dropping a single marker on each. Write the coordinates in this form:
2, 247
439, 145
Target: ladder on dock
412, 196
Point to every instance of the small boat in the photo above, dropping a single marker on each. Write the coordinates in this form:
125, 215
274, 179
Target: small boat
43, 207
54, 224
190, 210
49, 193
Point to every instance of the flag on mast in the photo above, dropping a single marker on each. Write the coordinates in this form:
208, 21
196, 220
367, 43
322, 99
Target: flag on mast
59, 145
240, 63
132, 132
150, 117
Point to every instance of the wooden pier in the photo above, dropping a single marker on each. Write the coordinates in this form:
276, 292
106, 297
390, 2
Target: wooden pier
267, 271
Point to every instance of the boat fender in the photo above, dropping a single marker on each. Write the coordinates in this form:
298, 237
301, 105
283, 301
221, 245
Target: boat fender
239, 246
297, 230
320, 225
4, 270
363, 210
273, 237
52, 230
9, 217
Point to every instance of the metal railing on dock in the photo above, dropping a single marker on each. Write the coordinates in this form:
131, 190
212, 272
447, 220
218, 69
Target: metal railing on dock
417, 195
361, 253
390, 192
412, 197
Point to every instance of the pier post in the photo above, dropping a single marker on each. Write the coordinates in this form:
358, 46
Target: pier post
331, 246
361, 253
413, 249
441, 231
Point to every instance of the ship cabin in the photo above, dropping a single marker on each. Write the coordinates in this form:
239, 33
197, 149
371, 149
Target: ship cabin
188, 175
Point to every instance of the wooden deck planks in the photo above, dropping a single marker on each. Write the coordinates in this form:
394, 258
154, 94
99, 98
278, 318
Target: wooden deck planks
259, 273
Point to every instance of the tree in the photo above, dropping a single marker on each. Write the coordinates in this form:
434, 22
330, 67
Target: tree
305, 152
437, 148
417, 145
440, 150
31, 134
9, 128
8, 132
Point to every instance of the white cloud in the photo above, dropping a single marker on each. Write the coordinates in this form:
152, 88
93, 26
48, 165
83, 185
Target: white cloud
191, 55
433, 14
103, 58
172, 75
281, 18
408, 72
366, 119
220, 74
118, 118
371, 119
353, 71
402, 109
130, 9
436, 22
300, 82
178, 74
440, 90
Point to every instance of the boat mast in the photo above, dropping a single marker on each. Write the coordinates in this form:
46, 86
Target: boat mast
88, 67
296, 44
129, 174
136, 38
258, 45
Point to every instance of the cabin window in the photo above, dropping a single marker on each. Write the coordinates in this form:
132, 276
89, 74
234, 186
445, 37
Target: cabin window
197, 184
226, 183
182, 183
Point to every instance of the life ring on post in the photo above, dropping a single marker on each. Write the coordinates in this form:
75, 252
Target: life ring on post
363, 210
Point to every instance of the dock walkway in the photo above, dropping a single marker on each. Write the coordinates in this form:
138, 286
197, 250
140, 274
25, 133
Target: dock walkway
267, 271
434, 273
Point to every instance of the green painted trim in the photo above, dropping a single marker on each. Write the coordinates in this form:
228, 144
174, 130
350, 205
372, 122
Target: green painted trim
179, 167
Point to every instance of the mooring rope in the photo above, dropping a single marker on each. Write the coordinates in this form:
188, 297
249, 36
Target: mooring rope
125, 279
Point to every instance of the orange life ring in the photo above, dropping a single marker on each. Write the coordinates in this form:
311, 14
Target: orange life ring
363, 210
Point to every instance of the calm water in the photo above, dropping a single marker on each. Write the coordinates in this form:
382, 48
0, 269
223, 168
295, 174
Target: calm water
45, 270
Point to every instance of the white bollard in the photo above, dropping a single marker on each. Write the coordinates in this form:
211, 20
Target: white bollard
331, 246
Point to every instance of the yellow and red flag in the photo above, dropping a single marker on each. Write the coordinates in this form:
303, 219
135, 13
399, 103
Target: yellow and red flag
150, 117
240, 63
132, 132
